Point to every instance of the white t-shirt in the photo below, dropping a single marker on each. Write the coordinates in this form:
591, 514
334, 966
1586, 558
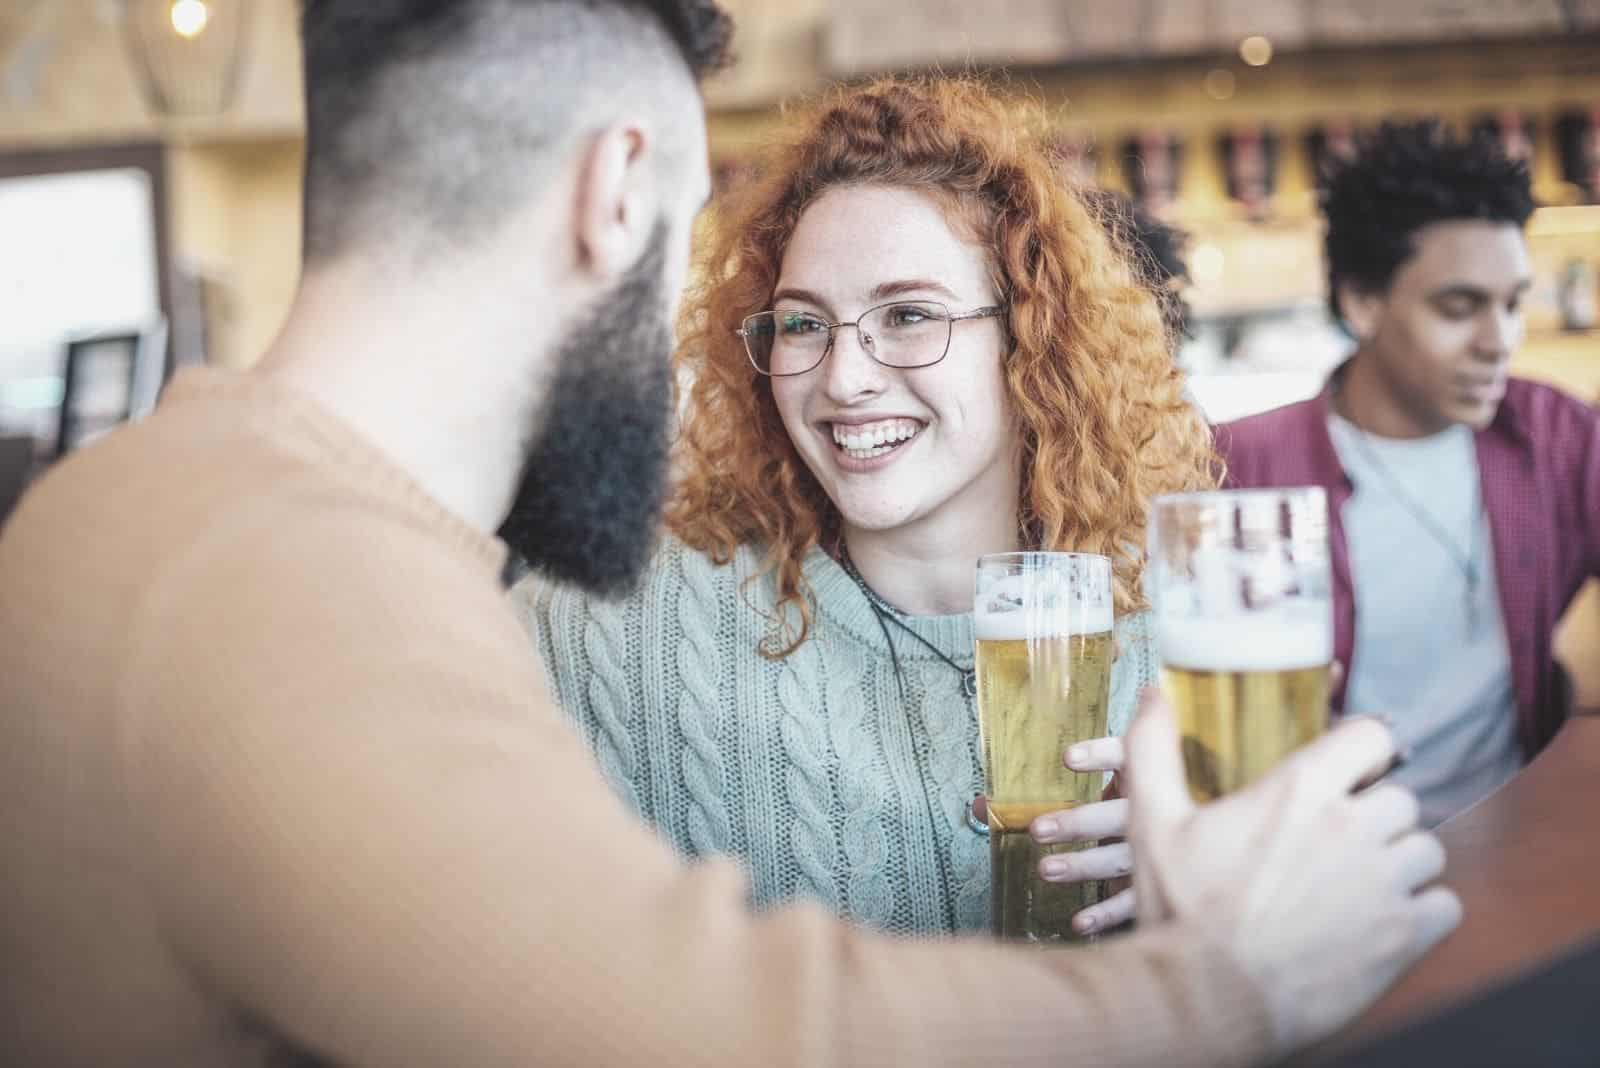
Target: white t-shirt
1435, 661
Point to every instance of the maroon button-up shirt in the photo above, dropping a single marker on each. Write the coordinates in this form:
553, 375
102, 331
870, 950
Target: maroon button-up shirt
1539, 463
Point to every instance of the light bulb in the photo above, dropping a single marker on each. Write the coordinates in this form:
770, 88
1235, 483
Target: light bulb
190, 17
1256, 51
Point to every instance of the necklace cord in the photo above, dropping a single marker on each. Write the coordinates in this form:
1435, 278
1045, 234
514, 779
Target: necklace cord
886, 614
1467, 562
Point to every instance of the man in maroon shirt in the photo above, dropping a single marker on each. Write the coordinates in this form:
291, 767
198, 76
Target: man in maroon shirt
1464, 503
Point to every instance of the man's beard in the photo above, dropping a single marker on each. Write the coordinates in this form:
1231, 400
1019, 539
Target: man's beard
592, 486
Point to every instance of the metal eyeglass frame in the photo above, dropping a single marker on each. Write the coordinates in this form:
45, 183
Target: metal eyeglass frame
950, 317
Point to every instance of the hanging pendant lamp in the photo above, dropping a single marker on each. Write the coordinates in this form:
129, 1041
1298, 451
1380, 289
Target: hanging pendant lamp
188, 54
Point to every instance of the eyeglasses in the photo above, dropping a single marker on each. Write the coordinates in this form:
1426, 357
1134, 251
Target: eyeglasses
903, 334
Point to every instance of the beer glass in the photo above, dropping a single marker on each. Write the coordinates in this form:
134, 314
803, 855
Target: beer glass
1043, 623
1241, 587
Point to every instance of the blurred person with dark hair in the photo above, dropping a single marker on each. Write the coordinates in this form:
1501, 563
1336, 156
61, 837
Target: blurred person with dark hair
1157, 250
279, 781
1465, 503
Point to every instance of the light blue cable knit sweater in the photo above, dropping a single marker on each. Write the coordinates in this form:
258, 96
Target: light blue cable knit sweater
810, 769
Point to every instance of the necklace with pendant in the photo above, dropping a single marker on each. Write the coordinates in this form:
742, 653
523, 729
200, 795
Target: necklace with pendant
887, 613
1466, 562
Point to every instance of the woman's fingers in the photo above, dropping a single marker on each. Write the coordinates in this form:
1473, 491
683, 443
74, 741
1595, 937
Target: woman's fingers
1086, 865
1114, 911
1086, 823
1099, 754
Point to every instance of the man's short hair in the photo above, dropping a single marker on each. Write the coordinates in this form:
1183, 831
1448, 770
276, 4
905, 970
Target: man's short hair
1403, 177
433, 117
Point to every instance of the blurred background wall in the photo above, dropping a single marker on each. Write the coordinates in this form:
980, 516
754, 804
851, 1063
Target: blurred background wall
176, 125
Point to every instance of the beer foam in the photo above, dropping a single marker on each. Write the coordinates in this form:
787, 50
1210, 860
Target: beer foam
1285, 639
1016, 625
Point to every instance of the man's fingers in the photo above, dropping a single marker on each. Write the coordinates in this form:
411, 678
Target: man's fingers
1419, 859
1100, 754
1088, 823
1388, 811
1114, 911
1354, 752
1085, 865
1435, 913
1154, 781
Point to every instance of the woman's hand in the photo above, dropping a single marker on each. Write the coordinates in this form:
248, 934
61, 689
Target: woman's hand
1105, 819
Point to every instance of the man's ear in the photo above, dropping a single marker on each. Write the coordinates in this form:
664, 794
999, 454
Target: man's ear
617, 199
1361, 309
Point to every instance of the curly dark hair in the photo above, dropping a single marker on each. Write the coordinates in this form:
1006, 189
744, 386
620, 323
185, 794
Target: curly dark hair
442, 112
1403, 177
1156, 250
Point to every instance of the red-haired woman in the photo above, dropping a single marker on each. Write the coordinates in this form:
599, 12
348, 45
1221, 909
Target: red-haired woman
912, 344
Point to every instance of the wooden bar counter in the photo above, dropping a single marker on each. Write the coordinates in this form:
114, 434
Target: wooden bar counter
1526, 862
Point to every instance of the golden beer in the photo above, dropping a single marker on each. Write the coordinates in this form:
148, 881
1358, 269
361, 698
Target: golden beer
1036, 697
1242, 586
1245, 696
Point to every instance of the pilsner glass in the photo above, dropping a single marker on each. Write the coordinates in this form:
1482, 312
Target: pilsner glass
1241, 587
1043, 623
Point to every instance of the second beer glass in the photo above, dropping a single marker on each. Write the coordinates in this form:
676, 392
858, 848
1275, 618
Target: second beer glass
1244, 621
1044, 632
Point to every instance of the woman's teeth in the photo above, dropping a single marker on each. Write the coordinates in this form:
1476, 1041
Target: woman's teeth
874, 439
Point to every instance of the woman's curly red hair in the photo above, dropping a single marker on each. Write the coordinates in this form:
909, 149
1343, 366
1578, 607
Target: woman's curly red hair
1105, 424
